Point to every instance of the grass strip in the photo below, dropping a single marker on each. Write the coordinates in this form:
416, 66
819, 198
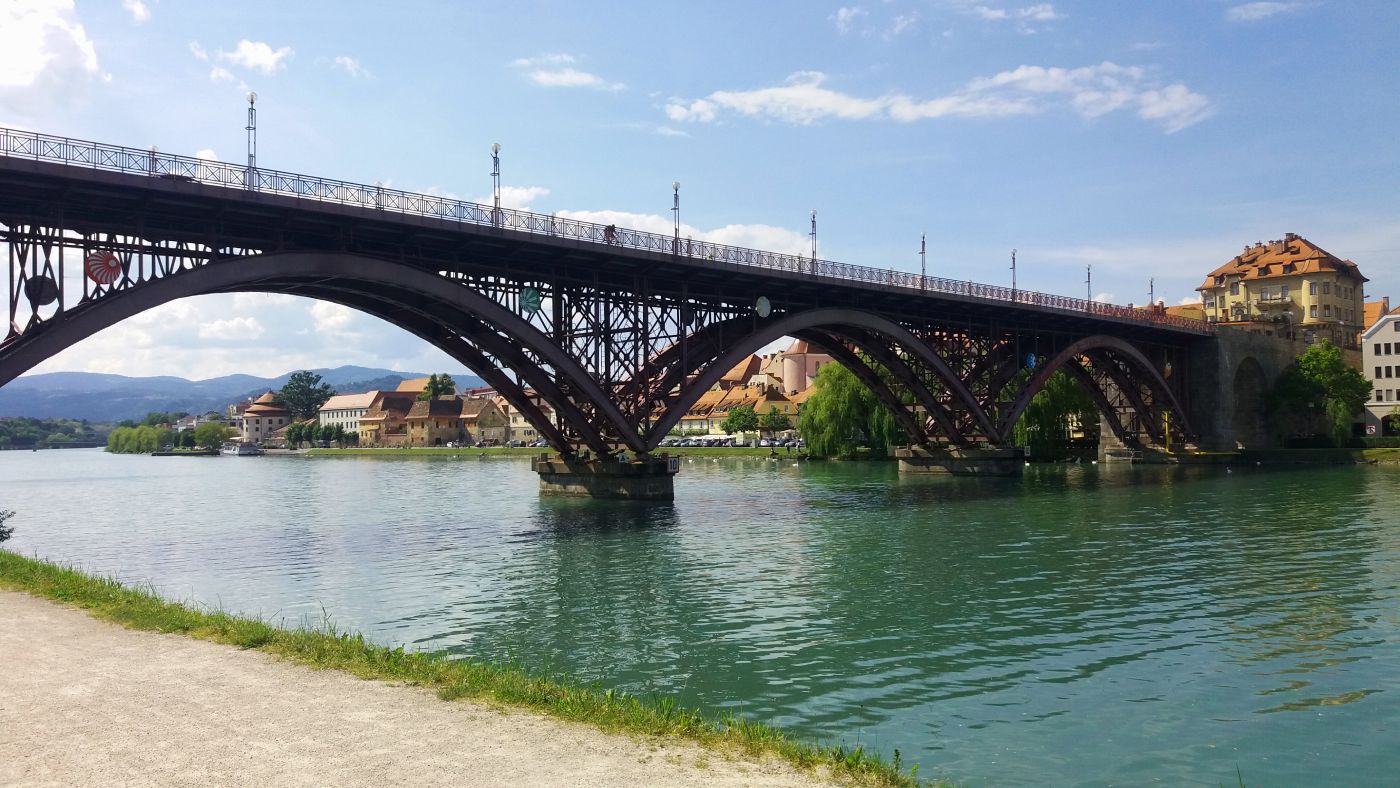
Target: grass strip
557, 696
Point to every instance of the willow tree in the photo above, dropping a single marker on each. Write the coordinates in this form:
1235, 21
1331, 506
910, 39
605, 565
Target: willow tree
843, 414
1045, 424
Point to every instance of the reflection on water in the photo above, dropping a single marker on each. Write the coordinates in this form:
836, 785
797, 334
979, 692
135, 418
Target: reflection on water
1078, 625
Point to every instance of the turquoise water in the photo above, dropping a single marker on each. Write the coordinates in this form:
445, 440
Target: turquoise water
1081, 625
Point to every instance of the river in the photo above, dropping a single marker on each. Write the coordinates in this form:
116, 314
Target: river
1081, 625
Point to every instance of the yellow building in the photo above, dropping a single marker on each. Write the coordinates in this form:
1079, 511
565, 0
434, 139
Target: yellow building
1290, 288
385, 423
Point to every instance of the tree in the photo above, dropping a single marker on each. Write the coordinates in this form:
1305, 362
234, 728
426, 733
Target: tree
304, 394
1319, 390
438, 386
211, 434
739, 419
775, 422
1045, 423
6, 531
843, 414
295, 434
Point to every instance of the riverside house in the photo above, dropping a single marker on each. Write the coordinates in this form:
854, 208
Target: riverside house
452, 419
385, 423
1380, 363
345, 410
263, 418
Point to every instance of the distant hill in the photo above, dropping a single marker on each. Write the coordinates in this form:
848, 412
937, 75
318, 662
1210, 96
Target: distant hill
109, 398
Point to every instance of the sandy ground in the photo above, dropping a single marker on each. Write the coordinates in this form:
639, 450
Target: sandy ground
85, 702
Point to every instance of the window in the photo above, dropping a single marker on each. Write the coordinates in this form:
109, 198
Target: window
1283, 293
1326, 310
1312, 310
1387, 348
1390, 372
1327, 288
1234, 288
1395, 324
1378, 373
1312, 288
1377, 346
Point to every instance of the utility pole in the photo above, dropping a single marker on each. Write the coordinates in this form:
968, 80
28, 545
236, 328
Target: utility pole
1013, 274
814, 240
923, 259
676, 209
496, 183
1152, 292
1088, 283
252, 128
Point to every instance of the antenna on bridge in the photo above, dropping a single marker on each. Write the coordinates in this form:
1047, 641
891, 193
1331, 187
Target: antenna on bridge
923, 259
676, 208
1013, 274
1152, 292
496, 182
1088, 283
252, 130
814, 240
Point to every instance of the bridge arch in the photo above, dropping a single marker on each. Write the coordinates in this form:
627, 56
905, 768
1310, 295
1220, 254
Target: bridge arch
1249, 387
1114, 367
717, 348
391, 291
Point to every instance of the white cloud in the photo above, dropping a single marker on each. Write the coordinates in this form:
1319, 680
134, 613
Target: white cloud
1040, 12
846, 18
199, 52
245, 301
46, 57
1105, 298
330, 318
138, 10
558, 59
572, 78
231, 329
1091, 91
257, 56
668, 131
901, 24
751, 236
557, 71
206, 154
1194, 300
350, 66
516, 198
221, 74
1253, 12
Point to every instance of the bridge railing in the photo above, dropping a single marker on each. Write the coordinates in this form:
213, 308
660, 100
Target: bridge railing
153, 163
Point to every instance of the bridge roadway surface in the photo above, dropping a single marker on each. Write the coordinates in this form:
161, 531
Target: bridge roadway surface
86, 702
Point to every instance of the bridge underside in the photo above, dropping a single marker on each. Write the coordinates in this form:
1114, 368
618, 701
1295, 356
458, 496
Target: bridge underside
602, 351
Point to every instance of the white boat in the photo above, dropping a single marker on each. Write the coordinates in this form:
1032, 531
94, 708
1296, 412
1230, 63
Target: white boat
240, 449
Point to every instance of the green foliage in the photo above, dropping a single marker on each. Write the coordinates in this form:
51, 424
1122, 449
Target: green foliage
773, 421
1045, 423
843, 414
158, 418
21, 432
211, 434
438, 386
139, 440
6, 531
1319, 393
304, 394
740, 419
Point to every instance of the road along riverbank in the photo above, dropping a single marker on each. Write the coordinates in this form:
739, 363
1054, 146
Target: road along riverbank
88, 702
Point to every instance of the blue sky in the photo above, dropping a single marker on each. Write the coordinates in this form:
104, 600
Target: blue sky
1149, 140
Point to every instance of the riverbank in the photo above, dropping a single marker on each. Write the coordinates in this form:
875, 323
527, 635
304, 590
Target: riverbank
215, 697
526, 451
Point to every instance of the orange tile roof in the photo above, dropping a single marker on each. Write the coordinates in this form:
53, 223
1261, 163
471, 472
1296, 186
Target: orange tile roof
1289, 257
742, 371
1372, 311
346, 401
448, 407
415, 385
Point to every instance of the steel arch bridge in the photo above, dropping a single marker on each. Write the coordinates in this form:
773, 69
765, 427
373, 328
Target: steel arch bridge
618, 331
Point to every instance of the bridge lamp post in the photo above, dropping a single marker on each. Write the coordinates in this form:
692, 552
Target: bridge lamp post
496, 182
814, 240
676, 209
252, 130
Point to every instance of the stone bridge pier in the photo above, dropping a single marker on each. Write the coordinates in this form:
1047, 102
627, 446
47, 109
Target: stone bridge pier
1232, 374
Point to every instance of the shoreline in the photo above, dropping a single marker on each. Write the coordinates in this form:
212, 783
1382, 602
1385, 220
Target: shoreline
554, 697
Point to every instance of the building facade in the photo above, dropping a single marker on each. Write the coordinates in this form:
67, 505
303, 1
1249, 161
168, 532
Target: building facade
262, 418
1289, 288
345, 410
1380, 360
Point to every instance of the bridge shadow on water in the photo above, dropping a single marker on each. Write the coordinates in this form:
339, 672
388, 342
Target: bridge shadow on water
569, 518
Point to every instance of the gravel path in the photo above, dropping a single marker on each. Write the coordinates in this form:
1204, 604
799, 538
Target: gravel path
85, 702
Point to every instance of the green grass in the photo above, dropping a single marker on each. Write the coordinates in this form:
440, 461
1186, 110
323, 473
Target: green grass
429, 451
327, 647
1381, 455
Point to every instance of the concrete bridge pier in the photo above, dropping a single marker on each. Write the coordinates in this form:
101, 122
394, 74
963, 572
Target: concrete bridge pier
961, 461
642, 478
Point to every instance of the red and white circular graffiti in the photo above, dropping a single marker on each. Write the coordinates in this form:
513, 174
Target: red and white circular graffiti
103, 267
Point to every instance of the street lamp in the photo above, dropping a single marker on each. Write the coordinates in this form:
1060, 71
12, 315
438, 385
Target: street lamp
676, 209
252, 129
814, 240
496, 181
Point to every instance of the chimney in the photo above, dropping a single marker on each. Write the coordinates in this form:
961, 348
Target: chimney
1290, 237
